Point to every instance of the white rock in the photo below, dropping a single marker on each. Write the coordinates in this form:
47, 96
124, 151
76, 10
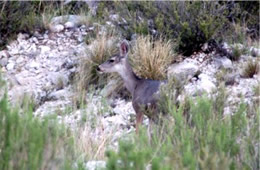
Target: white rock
206, 83
184, 70
69, 20
21, 36
34, 65
10, 66
94, 165
69, 24
57, 28
4, 54
35, 40
45, 49
114, 17
255, 52
3, 62
19, 60
223, 62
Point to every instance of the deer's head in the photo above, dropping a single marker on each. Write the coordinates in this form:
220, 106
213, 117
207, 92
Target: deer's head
116, 63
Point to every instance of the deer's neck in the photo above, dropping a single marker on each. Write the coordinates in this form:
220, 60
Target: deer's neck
129, 77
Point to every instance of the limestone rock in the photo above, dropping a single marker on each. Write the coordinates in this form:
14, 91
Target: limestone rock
56, 28
184, 70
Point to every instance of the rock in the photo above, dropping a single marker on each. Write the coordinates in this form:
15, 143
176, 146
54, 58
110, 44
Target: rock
3, 62
114, 17
35, 40
80, 38
59, 95
184, 70
223, 62
20, 94
34, 65
56, 28
69, 25
116, 121
58, 79
70, 21
22, 36
202, 85
4, 54
230, 79
93, 165
20, 60
255, 52
44, 49
206, 83
10, 66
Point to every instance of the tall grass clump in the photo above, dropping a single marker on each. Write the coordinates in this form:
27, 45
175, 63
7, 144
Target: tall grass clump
200, 137
150, 58
99, 50
250, 69
29, 143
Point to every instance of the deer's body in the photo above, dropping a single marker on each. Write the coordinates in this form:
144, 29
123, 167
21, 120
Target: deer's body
144, 91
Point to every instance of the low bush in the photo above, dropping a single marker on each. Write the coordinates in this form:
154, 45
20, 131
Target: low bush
202, 139
28, 16
190, 24
29, 143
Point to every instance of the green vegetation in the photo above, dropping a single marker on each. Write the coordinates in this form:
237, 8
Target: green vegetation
203, 139
29, 16
190, 24
195, 135
29, 143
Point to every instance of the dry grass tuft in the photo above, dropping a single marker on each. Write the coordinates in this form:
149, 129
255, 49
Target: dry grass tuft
150, 58
98, 52
90, 145
251, 68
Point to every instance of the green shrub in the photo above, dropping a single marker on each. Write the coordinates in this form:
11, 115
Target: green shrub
29, 143
191, 24
28, 16
206, 139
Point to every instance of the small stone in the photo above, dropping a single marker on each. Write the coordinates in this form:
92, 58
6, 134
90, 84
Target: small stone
35, 40
255, 52
45, 49
10, 66
69, 25
223, 62
80, 38
34, 65
45, 36
93, 165
57, 28
205, 83
3, 62
21, 36
4, 54
184, 70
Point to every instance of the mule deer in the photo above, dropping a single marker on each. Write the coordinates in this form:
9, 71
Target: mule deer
144, 91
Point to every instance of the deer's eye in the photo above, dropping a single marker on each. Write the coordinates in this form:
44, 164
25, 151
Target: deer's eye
111, 60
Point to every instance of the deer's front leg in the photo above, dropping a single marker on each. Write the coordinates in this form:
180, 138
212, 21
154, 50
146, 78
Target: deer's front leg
139, 120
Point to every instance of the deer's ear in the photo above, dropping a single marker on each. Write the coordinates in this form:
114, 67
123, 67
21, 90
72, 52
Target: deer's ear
124, 48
